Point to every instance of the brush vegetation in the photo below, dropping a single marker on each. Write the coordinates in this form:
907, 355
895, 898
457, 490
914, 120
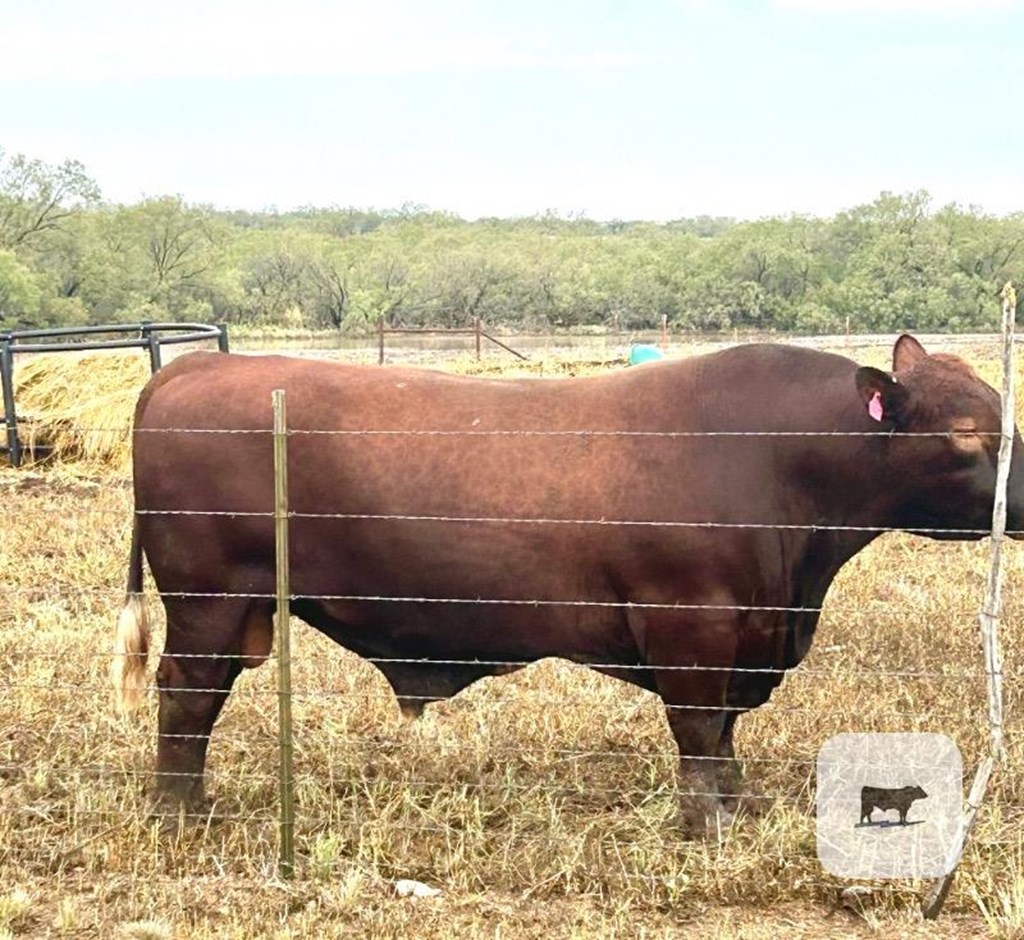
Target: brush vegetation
898, 262
539, 803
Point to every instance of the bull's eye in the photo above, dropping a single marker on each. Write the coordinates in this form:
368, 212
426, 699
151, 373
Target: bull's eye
965, 436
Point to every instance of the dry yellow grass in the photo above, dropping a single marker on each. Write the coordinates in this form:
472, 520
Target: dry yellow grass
81, 405
539, 802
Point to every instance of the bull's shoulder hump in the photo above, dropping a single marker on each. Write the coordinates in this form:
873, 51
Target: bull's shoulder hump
778, 356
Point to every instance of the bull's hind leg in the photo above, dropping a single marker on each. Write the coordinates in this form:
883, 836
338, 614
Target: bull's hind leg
208, 642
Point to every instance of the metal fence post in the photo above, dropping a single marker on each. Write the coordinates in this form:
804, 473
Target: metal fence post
10, 417
152, 341
283, 631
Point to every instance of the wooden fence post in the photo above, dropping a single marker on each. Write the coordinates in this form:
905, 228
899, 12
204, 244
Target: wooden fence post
989, 614
283, 633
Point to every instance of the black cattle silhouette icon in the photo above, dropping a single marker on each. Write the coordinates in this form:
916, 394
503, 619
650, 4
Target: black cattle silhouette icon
886, 798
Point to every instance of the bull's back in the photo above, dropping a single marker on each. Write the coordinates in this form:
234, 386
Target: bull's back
387, 433
223, 391
392, 442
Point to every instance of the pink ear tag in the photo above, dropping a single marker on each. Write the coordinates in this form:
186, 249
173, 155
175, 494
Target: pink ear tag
875, 406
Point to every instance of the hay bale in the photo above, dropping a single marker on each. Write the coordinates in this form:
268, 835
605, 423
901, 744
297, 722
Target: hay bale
81, 405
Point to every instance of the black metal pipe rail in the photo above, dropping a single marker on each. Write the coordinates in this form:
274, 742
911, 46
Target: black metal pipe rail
149, 336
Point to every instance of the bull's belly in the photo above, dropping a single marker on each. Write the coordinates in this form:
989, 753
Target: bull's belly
428, 653
447, 629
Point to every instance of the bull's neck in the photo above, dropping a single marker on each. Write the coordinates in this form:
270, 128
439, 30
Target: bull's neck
847, 480
830, 473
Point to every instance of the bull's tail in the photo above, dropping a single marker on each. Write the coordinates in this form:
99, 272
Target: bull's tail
131, 643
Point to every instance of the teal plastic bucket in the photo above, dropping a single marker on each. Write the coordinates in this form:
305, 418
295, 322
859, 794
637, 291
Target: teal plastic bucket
642, 352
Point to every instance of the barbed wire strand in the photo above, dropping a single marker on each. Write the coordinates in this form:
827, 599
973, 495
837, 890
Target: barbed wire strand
598, 666
320, 694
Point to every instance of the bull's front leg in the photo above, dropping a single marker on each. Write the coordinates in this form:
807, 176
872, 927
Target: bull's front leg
692, 658
731, 784
737, 793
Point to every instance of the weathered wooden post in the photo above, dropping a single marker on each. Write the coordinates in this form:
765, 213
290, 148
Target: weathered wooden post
989, 615
283, 633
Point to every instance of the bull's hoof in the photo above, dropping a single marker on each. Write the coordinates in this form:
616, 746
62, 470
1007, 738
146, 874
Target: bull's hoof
705, 820
747, 803
174, 811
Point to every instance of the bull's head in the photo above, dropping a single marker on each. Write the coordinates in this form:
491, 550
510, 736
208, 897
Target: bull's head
951, 474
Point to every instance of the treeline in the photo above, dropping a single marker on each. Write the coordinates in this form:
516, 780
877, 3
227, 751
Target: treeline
69, 258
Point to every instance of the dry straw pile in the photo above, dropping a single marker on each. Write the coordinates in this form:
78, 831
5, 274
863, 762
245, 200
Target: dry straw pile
81, 405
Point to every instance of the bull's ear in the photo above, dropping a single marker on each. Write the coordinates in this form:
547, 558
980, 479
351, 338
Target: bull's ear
907, 353
882, 395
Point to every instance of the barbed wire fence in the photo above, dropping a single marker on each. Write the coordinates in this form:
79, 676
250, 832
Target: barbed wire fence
288, 781
990, 611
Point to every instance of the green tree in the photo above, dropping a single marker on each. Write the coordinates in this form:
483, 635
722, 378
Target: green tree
897, 267
36, 198
329, 277
169, 254
19, 294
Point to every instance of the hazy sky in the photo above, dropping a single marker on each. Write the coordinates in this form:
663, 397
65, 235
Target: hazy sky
630, 109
